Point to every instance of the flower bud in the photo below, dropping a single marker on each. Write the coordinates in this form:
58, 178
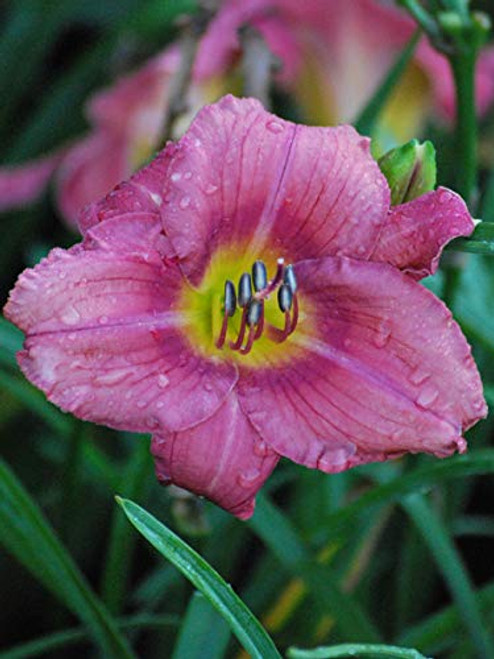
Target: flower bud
410, 170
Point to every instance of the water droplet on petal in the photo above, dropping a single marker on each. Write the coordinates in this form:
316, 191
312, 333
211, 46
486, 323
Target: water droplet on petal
248, 478
111, 377
187, 176
275, 127
383, 334
163, 381
335, 456
419, 375
141, 404
184, 203
176, 176
211, 189
102, 320
208, 386
427, 396
70, 316
261, 448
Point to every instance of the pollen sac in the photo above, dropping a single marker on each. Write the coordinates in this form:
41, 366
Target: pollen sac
230, 298
254, 313
259, 276
285, 297
289, 279
244, 290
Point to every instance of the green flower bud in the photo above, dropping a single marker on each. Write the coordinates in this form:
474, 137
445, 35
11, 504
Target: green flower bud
410, 170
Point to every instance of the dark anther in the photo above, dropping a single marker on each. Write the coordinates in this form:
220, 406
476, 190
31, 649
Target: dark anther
285, 297
254, 313
230, 298
259, 276
289, 278
244, 290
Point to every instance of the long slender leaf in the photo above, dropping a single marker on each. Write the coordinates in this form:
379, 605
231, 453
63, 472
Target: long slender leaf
69, 637
480, 242
28, 536
441, 630
279, 535
242, 622
355, 650
367, 120
451, 566
480, 462
204, 634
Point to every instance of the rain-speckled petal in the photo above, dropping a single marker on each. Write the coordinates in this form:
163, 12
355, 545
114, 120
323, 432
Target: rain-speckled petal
104, 343
223, 459
241, 174
416, 232
385, 370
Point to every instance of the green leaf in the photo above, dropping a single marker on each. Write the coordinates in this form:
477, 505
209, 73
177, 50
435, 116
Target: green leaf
242, 622
480, 462
355, 650
442, 629
451, 566
369, 116
279, 535
204, 634
62, 639
28, 536
480, 242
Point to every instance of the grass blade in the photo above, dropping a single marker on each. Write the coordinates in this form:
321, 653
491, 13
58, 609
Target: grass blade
278, 534
204, 634
242, 622
355, 650
28, 536
480, 242
451, 566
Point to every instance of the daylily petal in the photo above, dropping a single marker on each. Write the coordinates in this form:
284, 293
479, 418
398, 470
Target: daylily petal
129, 218
388, 372
20, 185
104, 343
222, 458
243, 175
89, 171
416, 232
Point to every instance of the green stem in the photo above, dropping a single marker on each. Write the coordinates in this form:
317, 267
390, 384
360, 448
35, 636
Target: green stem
463, 67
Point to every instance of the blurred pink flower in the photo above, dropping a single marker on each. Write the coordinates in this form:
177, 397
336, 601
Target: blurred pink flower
140, 327
333, 56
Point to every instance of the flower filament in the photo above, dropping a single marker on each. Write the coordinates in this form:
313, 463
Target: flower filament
252, 292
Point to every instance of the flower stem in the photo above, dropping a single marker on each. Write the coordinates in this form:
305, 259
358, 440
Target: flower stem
463, 67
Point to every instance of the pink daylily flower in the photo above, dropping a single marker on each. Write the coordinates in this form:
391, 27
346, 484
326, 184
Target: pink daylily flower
333, 56
334, 357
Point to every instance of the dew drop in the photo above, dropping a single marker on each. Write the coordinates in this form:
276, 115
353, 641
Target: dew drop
184, 203
275, 127
334, 457
163, 381
361, 250
70, 316
419, 375
176, 176
141, 404
160, 404
208, 386
102, 320
248, 478
383, 334
427, 397
188, 176
261, 449
112, 377
211, 189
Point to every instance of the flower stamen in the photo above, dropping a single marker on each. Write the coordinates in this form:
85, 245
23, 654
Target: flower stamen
252, 292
